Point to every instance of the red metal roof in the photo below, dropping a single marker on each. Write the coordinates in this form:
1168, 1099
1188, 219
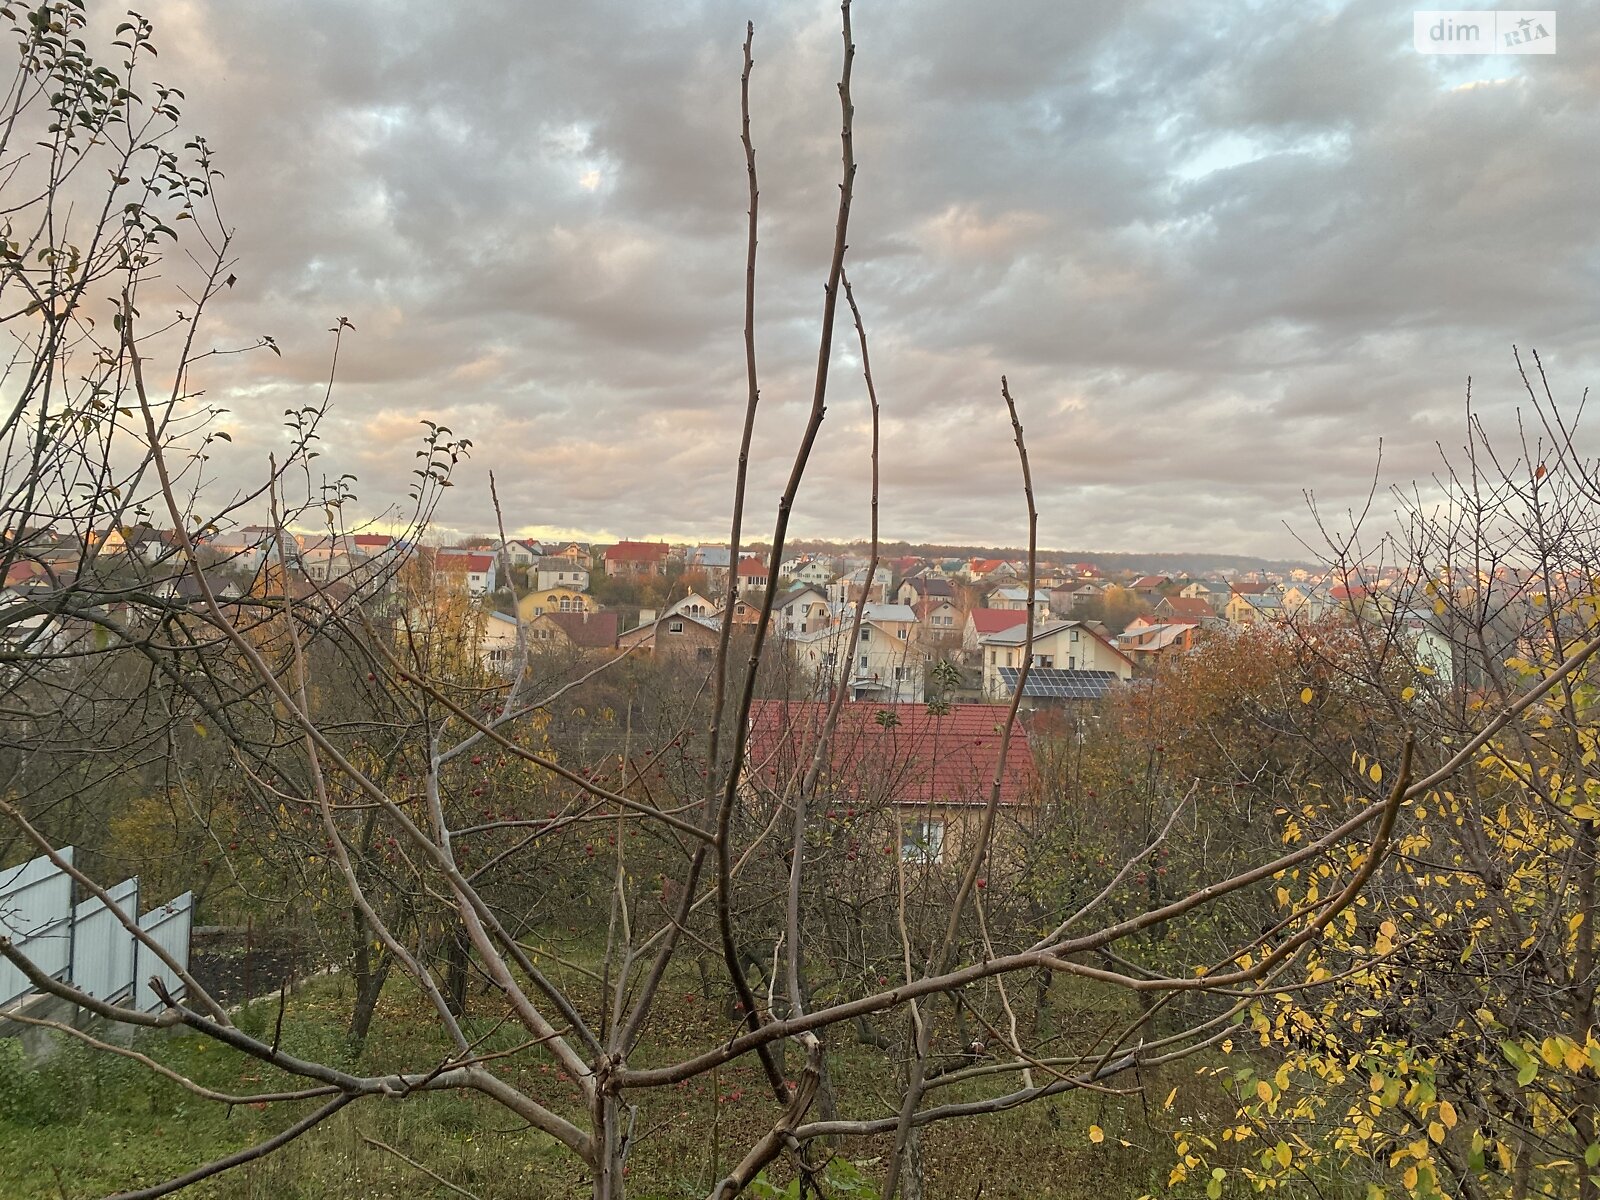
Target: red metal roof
471, 563
637, 552
913, 757
1187, 606
752, 568
996, 620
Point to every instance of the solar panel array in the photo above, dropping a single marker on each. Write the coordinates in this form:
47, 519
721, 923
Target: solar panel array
1058, 683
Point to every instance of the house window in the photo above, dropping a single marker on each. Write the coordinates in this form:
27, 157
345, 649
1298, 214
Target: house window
1044, 660
1073, 636
902, 674
863, 662
675, 627
991, 658
922, 840
866, 633
901, 634
1072, 662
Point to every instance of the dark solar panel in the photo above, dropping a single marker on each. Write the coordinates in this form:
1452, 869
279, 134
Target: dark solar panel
1057, 683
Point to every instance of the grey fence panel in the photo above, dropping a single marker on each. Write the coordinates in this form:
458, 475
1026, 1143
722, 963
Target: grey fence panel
168, 926
36, 915
88, 944
102, 948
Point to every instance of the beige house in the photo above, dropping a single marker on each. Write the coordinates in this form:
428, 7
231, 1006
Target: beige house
1058, 645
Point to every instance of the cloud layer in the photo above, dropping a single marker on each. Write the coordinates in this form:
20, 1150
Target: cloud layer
1219, 250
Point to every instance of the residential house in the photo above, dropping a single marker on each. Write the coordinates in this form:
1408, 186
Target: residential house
1015, 599
497, 641
1149, 587
554, 571
981, 622
555, 600
750, 578
894, 776
1146, 641
589, 631
851, 588
636, 558
802, 609
815, 572
712, 562
1215, 595
916, 588
519, 552
1060, 646
938, 620
471, 571
576, 551
884, 661
1247, 608
695, 605
680, 635
1186, 610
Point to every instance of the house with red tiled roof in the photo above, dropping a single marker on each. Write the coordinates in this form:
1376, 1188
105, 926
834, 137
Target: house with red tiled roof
981, 622
896, 778
1185, 609
751, 575
464, 570
636, 558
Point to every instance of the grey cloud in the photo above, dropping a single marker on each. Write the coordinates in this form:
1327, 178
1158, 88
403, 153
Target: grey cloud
1219, 249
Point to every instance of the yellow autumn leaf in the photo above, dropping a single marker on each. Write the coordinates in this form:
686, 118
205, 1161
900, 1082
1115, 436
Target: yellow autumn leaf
1436, 1131
1284, 1154
1264, 1090
1305, 695
1096, 1134
1376, 774
1447, 1114
1408, 694
1171, 1096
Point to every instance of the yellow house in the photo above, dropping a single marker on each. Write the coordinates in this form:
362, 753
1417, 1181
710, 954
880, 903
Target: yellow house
554, 600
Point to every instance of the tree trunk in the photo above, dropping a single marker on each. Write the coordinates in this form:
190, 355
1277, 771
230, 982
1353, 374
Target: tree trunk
610, 1177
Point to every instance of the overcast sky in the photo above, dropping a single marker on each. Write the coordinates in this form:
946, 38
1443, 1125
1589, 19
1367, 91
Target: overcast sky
1219, 248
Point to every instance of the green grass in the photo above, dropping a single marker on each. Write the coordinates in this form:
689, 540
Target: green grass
85, 1124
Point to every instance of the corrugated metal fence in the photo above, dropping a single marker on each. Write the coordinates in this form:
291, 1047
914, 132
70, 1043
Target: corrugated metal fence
86, 943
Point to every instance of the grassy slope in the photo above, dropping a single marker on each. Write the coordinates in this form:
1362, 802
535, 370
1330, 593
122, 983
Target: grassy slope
86, 1125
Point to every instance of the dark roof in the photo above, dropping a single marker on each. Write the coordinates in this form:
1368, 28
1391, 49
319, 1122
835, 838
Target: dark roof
1058, 683
915, 758
594, 631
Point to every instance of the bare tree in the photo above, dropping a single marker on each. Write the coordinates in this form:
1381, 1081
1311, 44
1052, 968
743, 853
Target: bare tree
445, 816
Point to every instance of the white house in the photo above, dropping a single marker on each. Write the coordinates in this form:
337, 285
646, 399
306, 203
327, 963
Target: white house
801, 610
551, 572
848, 588
1015, 599
885, 664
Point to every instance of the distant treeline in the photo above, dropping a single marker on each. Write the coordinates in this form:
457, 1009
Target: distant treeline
1165, 563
